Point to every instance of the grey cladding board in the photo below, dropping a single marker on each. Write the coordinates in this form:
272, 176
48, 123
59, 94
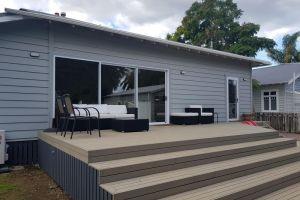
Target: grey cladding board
24, 80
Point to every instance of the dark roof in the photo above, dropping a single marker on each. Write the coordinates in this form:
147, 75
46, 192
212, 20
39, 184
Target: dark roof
180, 46
278, 74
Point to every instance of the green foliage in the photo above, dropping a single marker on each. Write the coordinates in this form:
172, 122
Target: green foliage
214, 24
255, 85
289, 53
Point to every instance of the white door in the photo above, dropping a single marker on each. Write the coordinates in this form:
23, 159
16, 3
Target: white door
232, 99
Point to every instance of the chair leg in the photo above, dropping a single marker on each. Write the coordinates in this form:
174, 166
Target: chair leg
99, 127
66, 127
57, 125
73, 127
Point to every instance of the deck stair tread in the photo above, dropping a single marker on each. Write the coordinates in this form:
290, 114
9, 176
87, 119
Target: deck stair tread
245, 183
151, 183
108, 167
289, 193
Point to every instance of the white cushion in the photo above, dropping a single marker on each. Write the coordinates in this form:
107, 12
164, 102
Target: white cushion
117, 109
195, 106
79, 112
106, 116
127, 116
206, 114
189, 114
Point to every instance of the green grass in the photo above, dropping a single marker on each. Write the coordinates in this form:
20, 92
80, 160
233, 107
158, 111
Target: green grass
6, 188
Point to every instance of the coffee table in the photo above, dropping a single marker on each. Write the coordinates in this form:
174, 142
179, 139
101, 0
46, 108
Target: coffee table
130, 125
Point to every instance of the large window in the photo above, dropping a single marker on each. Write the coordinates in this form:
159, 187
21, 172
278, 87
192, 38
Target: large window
78, 78
269, 101
117, 85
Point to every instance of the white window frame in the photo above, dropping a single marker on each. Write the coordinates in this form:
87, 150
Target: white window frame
135, 67
277, 100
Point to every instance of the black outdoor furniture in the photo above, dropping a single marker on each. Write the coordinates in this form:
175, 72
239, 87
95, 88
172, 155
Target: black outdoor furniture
184, 118
74, 122
205, 115
130, 125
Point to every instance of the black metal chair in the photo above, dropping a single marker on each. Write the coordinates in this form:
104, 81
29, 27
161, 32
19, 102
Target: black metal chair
95, 121
75, 119
61, 115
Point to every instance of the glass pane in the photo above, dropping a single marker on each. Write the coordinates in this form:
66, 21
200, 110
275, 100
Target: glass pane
266, 93
117, 85
232, 95
77, 78
273, 103
266, 103
273, 93
151, 91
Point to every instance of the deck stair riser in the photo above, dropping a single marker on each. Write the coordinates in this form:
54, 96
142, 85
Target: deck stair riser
247, 187
143, 150
173, 182
130, 168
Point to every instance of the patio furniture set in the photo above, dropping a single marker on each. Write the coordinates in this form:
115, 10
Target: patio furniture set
88, 117
194, 114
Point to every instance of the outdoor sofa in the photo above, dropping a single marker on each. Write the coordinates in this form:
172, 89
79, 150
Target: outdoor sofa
105, 114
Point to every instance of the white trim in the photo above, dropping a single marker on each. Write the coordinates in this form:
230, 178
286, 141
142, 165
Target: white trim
135, 67
262, 100
238, 97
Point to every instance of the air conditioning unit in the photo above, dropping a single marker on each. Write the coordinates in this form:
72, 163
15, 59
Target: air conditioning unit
3, 156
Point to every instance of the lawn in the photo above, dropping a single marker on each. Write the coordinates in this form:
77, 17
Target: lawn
29, 183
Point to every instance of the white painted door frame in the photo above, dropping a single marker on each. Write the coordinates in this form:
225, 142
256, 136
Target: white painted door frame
237, 96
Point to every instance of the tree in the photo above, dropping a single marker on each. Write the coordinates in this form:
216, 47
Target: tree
214, 24
289, 52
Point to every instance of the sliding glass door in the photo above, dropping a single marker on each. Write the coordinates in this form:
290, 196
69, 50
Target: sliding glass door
117, 85
152, 95
90, 82
79, 78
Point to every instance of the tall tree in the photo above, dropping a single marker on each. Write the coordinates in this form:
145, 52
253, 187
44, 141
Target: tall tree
289, 52
214, 24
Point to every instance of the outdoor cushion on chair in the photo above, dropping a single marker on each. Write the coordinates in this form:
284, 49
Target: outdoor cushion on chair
185, 114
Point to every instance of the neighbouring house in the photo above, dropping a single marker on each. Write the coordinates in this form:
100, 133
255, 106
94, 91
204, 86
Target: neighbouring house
279, 89
43, 55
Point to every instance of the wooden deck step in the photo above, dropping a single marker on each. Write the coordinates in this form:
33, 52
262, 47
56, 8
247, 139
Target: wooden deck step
289, 193
251, 187
116, 170
173, 182
138, 149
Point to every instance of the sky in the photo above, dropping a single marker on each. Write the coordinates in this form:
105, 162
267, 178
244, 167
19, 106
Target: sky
158, 17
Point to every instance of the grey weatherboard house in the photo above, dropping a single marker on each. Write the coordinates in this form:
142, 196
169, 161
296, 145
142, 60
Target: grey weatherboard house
279, 90
42, 55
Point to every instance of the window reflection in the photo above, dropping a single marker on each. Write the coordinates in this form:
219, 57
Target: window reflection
117, 85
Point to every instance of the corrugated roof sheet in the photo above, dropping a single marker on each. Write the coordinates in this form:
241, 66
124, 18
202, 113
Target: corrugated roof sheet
278, 74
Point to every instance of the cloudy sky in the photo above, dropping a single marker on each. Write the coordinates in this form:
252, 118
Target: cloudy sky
159, 17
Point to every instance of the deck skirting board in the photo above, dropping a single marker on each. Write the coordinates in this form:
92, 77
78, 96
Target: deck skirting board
76, 178
22, 152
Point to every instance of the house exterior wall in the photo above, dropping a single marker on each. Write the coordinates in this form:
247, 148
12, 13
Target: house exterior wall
26, 84
257, 97
288, 102
24, 81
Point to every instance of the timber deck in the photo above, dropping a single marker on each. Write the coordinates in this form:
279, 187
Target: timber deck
223, 161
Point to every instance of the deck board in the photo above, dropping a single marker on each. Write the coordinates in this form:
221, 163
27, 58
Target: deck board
223, 189
86, 147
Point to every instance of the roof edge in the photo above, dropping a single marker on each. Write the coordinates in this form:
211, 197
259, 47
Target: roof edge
35, 14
